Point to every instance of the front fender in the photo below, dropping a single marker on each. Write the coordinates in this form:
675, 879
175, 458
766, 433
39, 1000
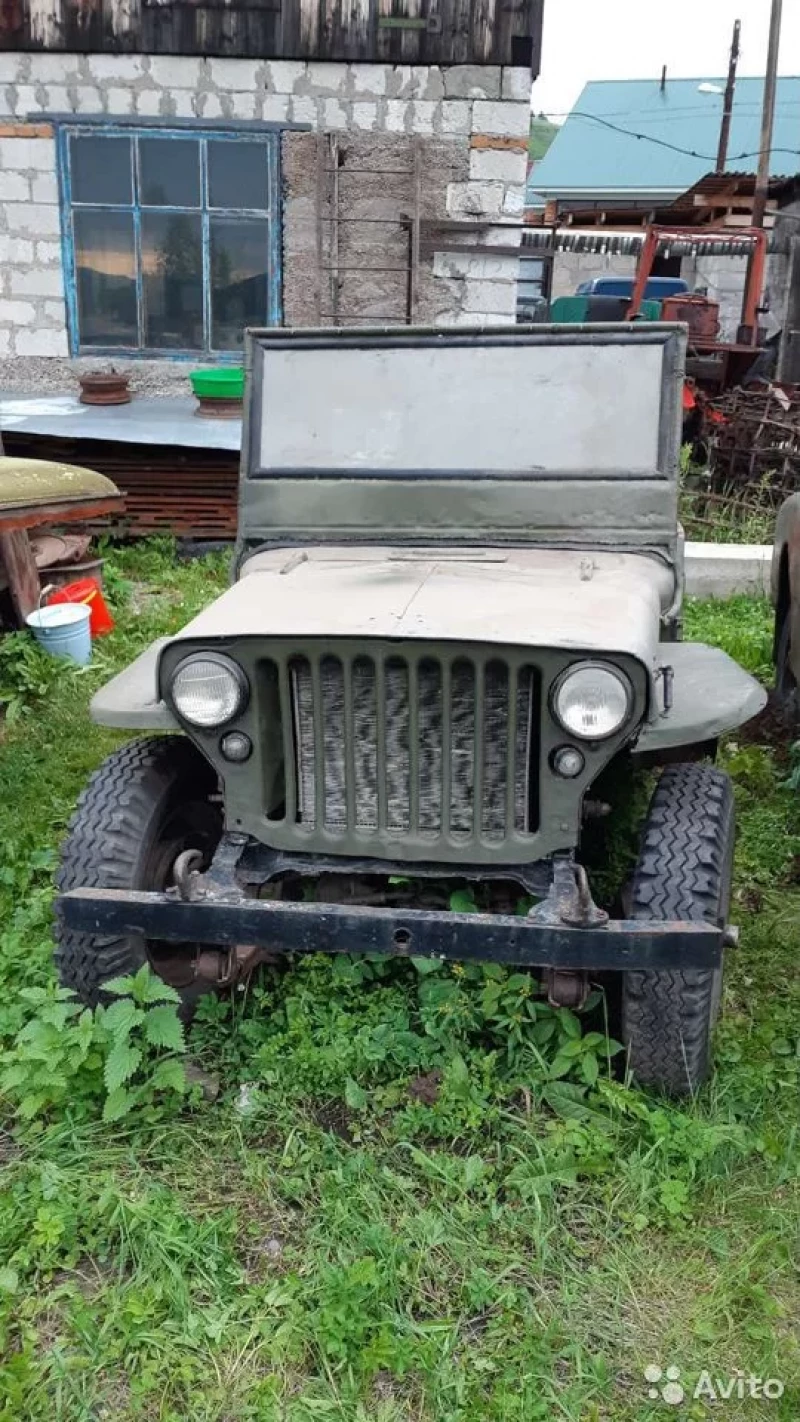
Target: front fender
711, 695
130, 701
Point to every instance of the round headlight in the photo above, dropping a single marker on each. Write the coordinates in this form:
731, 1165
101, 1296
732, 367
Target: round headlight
592, 701
208, 691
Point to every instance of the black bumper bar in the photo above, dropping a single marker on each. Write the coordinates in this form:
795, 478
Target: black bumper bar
650, 944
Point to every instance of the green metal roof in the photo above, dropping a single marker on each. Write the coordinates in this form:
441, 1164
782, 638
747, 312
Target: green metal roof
591, 156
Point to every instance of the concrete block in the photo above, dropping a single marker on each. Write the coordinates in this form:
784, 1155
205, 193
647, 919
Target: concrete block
335, 115
304, 110
365, 116
7, 109
59, 100
211, 106
427, 82
503, 235
34, 219
502, 165
48, 342
398, 116
120, 101
423, 113
62, 68
15, 187
460, 265
455, 117
148, 103
17, 313
283, 74
234, 73
125, 68
28, 100
724, 569
15, 249
13, 67
176, 71
516, 84
474, 199
325, 78
5, 343
367, 79
488, 296
275, 108
44, 188
472, 81
47, 253
23, 154
88, 101
243, 105
514, 202
184, 102
506, 120
45, 282
55, 311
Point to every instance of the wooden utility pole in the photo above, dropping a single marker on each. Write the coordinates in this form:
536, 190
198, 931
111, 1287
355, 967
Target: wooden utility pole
767, 116
727, 103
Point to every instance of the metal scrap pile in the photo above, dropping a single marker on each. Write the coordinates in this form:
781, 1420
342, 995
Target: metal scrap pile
755, 444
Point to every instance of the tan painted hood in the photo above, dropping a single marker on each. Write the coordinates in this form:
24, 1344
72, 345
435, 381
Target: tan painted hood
589, 602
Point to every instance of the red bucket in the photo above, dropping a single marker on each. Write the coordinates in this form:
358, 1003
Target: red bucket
87, 591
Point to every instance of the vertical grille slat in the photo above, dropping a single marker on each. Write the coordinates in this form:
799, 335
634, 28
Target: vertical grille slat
350, 795
509, 821
413, 748
447, 749
410, 744
380, 741
319, 765
289, 738
479, 671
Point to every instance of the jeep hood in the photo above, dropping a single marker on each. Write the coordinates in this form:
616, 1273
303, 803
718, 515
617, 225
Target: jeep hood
586, 601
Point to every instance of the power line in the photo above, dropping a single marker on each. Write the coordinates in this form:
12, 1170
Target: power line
674, 147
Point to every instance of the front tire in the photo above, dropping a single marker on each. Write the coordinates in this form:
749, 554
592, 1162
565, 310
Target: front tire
785, 685
684, 872
146, 803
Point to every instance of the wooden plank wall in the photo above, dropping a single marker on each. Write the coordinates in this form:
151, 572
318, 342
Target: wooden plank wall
386, 31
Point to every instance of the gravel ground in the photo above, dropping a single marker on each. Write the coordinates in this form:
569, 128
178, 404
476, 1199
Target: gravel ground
47, 375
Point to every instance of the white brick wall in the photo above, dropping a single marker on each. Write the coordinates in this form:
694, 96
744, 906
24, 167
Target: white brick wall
461, 104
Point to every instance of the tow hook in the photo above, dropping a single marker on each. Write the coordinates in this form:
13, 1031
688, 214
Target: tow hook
570, 902
186, 874
224, 967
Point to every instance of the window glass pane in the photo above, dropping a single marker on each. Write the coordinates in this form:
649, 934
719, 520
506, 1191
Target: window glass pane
237, 174
239, 267
100, 169
104, 264
169, 172
172, 272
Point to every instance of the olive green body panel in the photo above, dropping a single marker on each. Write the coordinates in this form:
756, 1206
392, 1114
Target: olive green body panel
711, 695
600, 602
255, 790
540, 435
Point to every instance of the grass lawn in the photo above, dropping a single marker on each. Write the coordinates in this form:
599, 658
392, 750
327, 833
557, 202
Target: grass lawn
412, 1197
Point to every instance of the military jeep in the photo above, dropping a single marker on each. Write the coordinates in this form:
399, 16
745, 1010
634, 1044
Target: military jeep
454, 632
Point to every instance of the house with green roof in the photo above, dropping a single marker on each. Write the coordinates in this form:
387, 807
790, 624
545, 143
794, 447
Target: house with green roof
636, 146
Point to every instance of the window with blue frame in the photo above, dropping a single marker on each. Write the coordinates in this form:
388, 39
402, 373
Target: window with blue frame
171, 237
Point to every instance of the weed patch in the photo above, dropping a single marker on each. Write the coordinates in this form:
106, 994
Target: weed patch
421, 1192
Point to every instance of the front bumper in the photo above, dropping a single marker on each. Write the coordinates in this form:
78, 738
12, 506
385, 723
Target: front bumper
271, 927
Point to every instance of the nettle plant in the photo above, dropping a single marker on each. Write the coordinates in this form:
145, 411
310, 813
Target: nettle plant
128, 1054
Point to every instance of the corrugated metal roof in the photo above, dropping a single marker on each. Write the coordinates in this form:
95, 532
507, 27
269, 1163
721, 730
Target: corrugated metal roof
591, 155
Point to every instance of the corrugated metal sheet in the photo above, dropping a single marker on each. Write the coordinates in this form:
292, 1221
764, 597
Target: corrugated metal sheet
190, 493
592, 155
408, 31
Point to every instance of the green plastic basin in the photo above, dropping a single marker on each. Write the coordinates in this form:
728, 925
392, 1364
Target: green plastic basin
221, 382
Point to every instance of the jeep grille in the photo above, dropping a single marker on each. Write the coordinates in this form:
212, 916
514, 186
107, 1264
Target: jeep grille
413, 745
